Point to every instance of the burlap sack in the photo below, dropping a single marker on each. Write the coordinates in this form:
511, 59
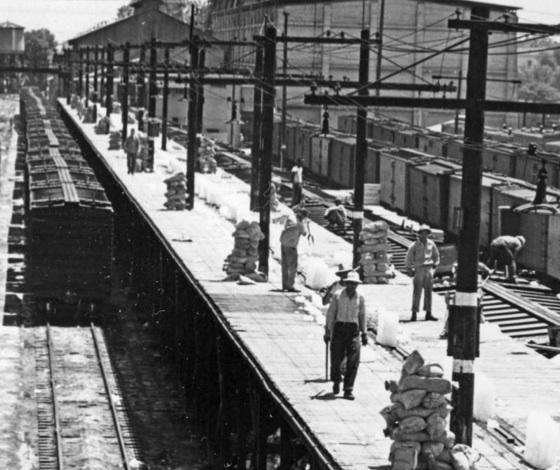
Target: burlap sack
431, 450
435, 425
410, 398
430, 384
404, 455
412, 424
412, 363
433, 400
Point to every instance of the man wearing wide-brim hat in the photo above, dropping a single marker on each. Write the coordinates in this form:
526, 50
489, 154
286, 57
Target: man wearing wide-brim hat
422, 260
346, 323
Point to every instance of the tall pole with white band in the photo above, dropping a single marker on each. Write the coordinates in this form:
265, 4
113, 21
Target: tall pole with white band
361, 147
463, 322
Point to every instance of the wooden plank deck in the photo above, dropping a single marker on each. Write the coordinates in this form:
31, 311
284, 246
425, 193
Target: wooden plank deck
288, 344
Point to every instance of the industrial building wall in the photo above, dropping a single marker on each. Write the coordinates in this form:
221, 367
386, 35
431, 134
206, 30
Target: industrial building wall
412, 28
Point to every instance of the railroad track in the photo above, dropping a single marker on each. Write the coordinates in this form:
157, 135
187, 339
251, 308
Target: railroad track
523, 311
79, 403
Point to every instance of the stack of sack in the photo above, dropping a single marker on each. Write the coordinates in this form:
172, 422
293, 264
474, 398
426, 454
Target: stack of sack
176, 194
115, 140
417, 421
102, 126
374, 253
206, 161
243, 258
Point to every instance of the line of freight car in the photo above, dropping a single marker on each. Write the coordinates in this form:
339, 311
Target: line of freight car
511, 157
428, 189
69, 221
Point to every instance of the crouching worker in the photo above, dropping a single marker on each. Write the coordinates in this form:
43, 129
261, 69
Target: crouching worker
504, 251
345, 329
336, 215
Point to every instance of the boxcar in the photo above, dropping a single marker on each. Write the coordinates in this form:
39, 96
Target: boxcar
486, 201
342, 159
320, 153
429, 185
394, 171
500, 158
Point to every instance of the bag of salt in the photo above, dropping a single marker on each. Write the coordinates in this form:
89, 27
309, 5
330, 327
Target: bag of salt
412, 424
409, 399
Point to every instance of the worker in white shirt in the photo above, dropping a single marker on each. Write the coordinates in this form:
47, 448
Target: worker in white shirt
297, 182
289, 239
346, 323
422, 260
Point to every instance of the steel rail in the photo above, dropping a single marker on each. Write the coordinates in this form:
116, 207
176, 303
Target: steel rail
112, 404
52, 381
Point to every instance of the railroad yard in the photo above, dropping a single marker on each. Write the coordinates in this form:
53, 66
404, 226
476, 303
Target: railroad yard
212, 256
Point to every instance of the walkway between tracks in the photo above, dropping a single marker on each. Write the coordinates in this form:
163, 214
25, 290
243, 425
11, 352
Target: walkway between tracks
288, 343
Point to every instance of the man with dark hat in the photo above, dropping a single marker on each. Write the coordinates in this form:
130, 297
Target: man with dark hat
346, 323
422, 260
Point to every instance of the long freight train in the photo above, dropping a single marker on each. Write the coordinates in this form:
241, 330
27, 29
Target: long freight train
68, 216
419, 174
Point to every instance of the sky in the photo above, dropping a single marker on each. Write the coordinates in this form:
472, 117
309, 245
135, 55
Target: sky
68, 18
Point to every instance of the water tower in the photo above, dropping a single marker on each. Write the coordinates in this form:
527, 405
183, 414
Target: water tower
12, 45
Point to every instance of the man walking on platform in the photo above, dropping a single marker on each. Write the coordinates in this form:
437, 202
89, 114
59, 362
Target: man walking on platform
132, 148
346, 322
289, 239
504, 251
422, 259
297, 182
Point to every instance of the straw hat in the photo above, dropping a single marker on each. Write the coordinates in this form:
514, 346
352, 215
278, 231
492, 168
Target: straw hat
424, 228
353, 277
342, 270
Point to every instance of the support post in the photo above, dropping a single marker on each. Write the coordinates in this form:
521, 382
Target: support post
140, 78
257, 127
361, 148
102, 87
87, 76
125, 81
458, 111
286, 447
200, 91
80, 73
70, 76
260, 430
152, 100
109, 99
463, 342
95, 72
165, 104
268, 95
191, 118
282, 139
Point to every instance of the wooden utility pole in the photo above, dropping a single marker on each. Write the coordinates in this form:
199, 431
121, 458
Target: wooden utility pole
80, 73
282, 139
257, 127
141, 89
110, 72
87, 76
165, 104
96, 72
152, 100
463, 343
191, 117
268, 95
125, 82
361, 148
200, 90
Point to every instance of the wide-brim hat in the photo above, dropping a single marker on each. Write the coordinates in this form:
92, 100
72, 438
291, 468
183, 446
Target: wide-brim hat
354, 277
343, 270
424, 228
